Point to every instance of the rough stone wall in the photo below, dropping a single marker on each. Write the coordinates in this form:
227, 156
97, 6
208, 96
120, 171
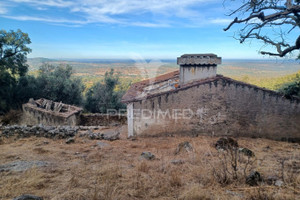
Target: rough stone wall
221, 107
34, 117
102, 120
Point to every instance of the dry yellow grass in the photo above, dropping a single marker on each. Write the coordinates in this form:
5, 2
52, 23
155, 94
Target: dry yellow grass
82, 170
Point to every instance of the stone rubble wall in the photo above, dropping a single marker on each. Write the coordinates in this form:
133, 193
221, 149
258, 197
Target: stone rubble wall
102, 120
57, 132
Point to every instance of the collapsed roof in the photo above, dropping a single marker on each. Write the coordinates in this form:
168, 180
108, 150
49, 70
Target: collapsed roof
53, 108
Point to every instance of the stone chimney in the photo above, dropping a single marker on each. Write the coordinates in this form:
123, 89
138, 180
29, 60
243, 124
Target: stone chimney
194, 67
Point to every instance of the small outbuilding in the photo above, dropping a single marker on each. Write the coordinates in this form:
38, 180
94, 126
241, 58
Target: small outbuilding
47, 112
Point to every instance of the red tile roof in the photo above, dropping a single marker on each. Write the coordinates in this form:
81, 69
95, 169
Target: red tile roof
139, 86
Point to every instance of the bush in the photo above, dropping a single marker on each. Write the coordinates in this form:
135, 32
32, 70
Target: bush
232, 166
11, 117
103, 96
291, 89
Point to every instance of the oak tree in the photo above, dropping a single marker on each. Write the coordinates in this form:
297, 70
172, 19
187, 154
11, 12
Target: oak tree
13, 57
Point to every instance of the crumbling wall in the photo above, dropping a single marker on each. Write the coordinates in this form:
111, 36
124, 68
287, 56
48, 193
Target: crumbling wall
47, 112
33, 117
102, 120
220, 107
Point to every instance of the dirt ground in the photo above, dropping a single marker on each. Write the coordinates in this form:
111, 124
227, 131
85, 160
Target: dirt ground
84, 170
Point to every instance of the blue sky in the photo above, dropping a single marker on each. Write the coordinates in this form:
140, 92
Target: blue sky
134, 29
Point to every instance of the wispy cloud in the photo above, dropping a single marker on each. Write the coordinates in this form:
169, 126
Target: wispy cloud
52, 3
144, 13
3, 11
150, 25
41, 19
3, 8
221, 21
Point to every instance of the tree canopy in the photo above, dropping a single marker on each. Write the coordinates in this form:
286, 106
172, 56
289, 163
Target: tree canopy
57, 84
103, 96
13, 57
274, 22
13, 52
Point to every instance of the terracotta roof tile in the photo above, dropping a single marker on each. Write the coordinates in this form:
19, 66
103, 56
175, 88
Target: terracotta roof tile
139, 86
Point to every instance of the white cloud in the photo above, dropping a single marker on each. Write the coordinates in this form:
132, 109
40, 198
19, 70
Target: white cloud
3, 11
220, 21
150, 25
53, 3
116, 7
3, 8
28, 18
124, 12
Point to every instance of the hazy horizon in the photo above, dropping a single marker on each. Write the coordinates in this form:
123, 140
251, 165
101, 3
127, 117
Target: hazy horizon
270, 59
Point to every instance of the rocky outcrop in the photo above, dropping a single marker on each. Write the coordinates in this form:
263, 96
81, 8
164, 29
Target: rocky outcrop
21, 165
226, 144
110, 135
246, 152
70, 140
102, 144
254, 178
147, 156
184, 147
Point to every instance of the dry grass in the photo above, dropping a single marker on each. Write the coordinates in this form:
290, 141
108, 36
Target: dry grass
82, 171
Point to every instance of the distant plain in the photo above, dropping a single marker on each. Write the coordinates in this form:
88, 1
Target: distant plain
265, 73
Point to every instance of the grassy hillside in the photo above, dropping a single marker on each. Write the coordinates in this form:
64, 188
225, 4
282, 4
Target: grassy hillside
273, 83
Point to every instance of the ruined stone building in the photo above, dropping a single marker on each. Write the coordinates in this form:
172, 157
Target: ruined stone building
47, 112
195, 100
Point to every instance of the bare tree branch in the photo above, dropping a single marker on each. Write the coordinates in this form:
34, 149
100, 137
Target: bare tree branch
285, 51
280, 13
